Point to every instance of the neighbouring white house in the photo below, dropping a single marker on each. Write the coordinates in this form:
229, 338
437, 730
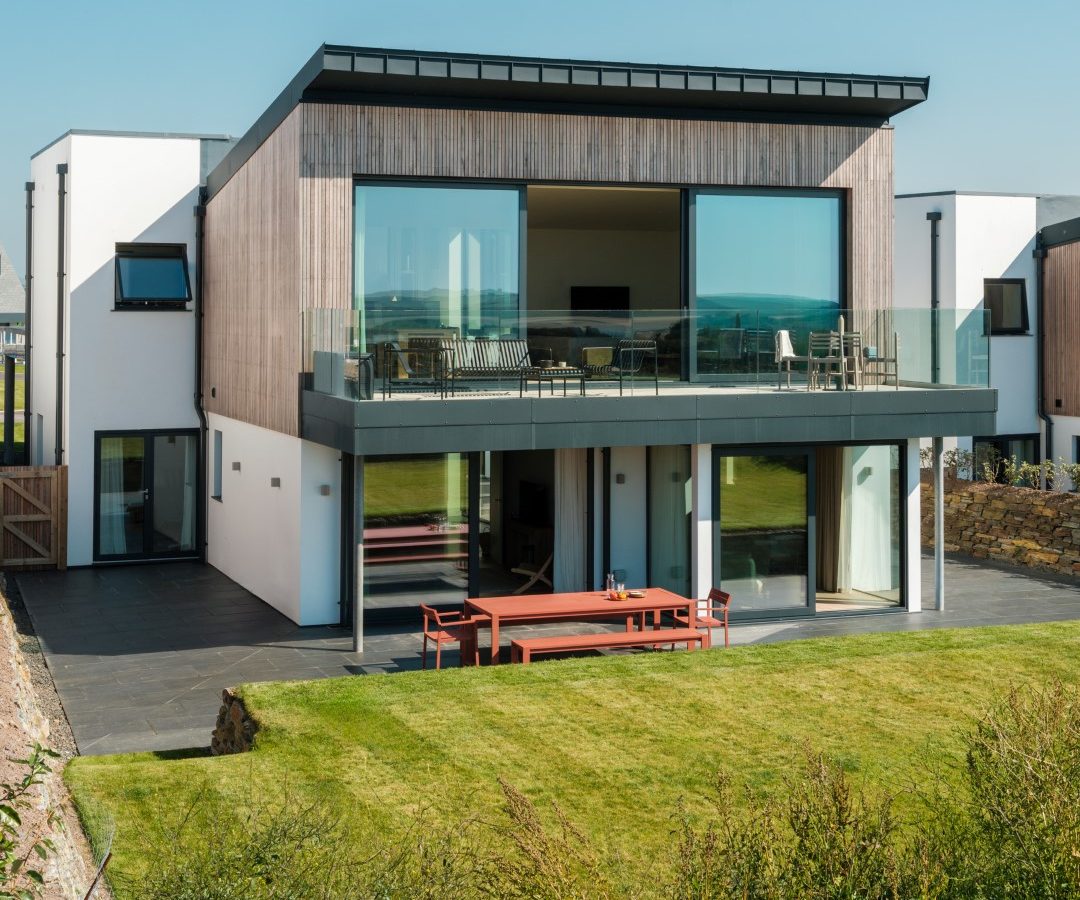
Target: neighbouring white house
113, 217
990, 253
12, 306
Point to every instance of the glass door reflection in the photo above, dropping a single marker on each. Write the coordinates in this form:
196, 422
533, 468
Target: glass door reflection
762, 531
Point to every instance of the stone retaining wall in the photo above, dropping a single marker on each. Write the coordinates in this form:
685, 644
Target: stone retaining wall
1035, 529
70, 867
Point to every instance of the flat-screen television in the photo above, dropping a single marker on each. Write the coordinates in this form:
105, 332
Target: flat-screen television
603, 298
533, 503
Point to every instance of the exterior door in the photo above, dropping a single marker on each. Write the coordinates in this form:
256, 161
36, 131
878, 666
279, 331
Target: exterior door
763, 531
145, 496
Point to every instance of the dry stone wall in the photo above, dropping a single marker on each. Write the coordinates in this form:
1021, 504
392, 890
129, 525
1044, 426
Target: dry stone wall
1035, 529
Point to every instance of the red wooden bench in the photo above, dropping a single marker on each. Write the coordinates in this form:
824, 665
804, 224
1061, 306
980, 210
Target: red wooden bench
522, 649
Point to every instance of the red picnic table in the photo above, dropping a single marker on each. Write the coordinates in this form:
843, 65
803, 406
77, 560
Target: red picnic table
580, 606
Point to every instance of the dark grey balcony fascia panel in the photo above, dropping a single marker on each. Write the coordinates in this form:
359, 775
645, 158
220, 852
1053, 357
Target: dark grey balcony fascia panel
433, 426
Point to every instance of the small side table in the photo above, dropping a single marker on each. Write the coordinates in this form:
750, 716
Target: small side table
564, 374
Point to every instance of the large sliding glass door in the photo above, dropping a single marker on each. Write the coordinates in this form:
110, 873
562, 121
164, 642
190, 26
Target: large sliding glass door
762, 262
763, 530
145, 495
416, 531
436, 261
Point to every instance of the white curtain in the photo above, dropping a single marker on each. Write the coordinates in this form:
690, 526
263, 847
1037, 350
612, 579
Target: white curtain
670, 508
846, 551
571, 519
112, 506
868, 477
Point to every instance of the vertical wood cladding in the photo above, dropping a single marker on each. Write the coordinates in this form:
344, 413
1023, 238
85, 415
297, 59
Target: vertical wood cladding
251, 277
333, 143
1061, 329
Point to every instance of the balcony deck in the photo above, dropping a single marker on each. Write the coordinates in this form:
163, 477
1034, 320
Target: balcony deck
492, 417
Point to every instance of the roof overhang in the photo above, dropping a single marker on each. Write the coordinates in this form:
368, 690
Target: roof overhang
373, 75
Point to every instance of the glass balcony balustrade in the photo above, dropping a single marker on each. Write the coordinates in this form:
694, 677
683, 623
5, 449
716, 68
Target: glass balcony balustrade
372, 356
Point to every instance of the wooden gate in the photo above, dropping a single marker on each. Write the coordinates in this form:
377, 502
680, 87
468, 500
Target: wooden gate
33, 517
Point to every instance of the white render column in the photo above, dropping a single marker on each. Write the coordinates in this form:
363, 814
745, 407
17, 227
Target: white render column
701, 519
913, 563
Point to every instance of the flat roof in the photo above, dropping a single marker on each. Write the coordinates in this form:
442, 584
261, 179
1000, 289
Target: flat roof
98, 132
380, 75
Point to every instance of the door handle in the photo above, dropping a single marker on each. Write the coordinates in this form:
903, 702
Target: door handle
146, 494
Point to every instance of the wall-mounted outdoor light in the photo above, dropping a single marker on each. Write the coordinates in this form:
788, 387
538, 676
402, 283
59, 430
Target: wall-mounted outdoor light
236, 467
324, 490
275, 482
620, 478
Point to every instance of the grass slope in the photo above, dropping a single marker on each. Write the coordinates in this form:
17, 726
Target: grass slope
616, 741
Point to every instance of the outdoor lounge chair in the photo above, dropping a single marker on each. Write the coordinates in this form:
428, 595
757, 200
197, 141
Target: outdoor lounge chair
623, 362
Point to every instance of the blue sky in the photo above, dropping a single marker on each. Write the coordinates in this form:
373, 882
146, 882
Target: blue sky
1002, 114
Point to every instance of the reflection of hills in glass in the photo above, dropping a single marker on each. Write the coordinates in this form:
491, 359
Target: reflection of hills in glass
771, 311
425, 309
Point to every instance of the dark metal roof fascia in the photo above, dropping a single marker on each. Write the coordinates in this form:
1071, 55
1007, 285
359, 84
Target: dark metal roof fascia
381, 75
1060, 233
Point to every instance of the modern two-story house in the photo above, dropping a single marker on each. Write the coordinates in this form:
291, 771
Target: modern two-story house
468, 325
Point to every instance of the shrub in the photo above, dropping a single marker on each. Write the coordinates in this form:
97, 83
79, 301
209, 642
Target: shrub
22, 848
1014, 830
825, 840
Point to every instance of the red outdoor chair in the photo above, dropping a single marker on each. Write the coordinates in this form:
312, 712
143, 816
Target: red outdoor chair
714, 615
451, 628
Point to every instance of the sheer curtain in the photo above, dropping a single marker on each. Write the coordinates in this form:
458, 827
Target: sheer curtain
112, 508
829, 503
669, 518
571, 519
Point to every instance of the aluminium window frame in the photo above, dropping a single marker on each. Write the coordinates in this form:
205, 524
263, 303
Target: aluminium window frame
689, 244
153, 250
1024, 330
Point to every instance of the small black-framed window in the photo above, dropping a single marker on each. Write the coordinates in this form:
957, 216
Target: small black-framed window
1006, 298
216, 495
152, 276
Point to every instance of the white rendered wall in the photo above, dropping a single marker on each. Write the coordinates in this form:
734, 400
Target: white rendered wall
43, 267
913, 493
281, 543
628, 518
981, 236
130, 370
701, 543
995, 239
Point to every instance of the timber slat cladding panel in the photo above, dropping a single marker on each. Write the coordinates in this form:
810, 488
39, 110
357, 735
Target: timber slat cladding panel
251, 298
279, 233
1061, 284
340, 142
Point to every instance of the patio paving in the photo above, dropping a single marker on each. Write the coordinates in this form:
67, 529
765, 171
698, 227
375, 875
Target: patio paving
140, 654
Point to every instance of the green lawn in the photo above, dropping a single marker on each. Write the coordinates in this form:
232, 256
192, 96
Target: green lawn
616, 741
410, 486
